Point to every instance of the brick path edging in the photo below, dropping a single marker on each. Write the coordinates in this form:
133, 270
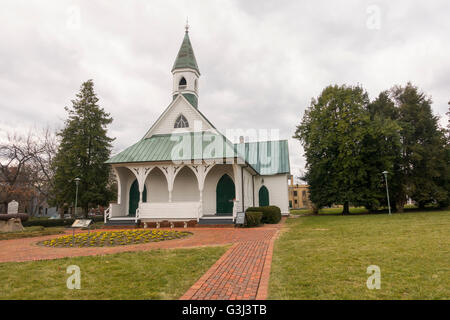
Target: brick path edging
263, 289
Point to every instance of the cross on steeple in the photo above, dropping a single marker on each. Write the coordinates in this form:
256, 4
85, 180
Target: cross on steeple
187, 25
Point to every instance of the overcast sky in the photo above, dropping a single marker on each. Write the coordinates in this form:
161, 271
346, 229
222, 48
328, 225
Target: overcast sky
261, 61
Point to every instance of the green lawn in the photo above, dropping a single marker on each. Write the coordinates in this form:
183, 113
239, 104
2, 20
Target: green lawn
155, 274
326, 257
34, 231
353, 210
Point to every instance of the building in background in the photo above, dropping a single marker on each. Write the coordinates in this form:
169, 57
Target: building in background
298, 195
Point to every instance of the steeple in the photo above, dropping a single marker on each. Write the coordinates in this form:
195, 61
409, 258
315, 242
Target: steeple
186, 58
185, 71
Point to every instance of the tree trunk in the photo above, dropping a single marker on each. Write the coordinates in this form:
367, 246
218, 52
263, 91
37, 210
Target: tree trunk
315, 209
86, 211
345, 209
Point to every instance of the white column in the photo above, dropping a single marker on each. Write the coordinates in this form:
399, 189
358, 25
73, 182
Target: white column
200, 204
238, 187
119, 185
201, 171
169, 172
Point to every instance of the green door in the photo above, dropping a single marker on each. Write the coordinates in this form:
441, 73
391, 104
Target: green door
225, 193
263, 196
134, 198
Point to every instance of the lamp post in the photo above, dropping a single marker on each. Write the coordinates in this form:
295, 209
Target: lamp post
77, 181
387, 190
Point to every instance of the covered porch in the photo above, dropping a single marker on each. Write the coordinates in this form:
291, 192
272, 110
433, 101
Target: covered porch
166, 191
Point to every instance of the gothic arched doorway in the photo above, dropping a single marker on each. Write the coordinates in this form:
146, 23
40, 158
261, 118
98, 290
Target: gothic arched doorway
263, 196
134, 198
225, 193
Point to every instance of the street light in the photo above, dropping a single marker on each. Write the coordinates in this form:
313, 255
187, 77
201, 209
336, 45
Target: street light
387, 190
77, 181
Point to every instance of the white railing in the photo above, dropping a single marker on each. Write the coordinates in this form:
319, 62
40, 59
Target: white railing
235, 209
137, 215
169, 210
107, 213
115, 210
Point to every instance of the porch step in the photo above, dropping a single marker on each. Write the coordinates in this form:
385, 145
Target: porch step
114, 223
215, 221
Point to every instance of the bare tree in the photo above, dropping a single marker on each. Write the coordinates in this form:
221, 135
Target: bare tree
40, 164
25, 168
15, 153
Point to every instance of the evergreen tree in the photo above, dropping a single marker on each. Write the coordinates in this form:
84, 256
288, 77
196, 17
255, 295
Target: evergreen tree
424, 156
82, 153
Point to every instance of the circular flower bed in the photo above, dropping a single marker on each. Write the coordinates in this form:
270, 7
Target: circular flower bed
113, 238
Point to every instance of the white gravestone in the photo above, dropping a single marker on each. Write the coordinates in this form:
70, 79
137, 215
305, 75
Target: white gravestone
13, 207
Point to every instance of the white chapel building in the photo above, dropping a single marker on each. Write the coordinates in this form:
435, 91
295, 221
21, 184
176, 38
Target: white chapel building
184, 169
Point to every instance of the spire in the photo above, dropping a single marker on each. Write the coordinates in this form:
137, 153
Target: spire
186, 58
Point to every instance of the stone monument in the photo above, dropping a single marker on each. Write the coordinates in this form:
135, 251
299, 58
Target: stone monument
13, 207
12, 225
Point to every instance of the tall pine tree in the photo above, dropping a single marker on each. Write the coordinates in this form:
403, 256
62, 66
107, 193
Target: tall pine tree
84, 148
425, 166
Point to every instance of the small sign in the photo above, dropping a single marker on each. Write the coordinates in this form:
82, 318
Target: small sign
240, 217
81, 223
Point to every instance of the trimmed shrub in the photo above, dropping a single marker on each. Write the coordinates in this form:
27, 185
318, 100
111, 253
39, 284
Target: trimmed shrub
22, 216
271, 214
49, 223
56, 222
253, 218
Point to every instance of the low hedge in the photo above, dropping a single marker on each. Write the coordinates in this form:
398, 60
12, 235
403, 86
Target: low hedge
253, 218
271, 214
22, 216
56, 222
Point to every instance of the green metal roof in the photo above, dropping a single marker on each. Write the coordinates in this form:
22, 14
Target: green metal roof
192, 98
177, 146
186, 58
266, 157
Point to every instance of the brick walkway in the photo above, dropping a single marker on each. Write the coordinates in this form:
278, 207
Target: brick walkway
241, 273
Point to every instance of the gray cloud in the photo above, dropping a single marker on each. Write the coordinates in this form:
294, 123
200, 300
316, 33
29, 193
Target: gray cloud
261, 61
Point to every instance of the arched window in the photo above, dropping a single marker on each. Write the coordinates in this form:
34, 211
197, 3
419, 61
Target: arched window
195, 85
181, 122
182, 84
